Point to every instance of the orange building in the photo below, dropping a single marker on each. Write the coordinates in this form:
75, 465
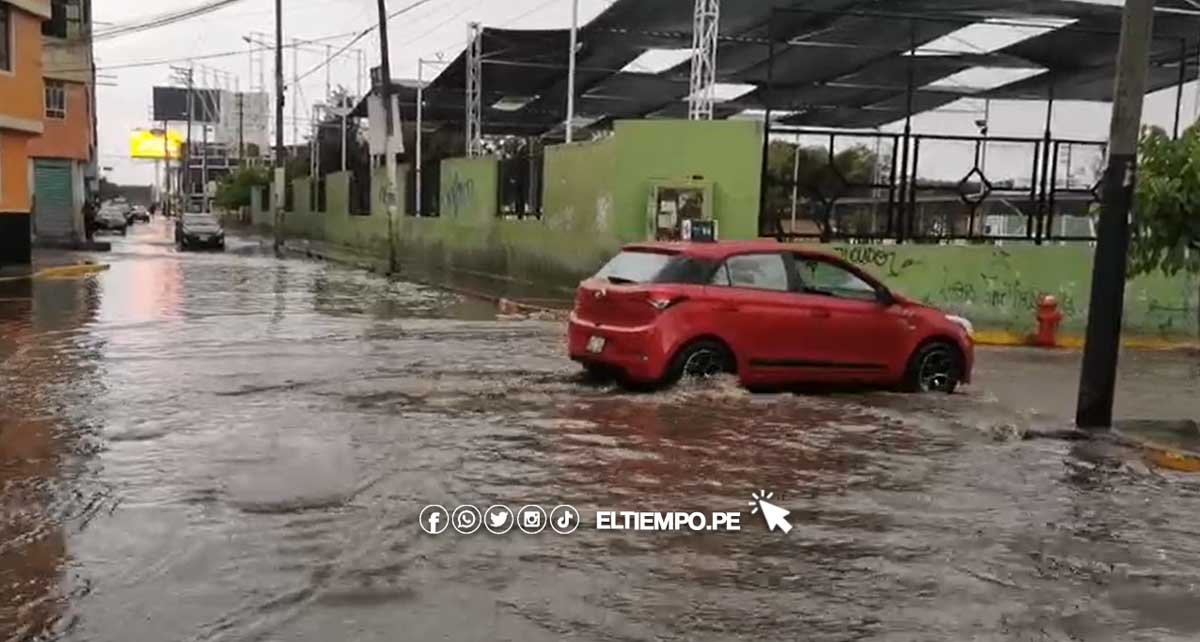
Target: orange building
21, 119
62, 159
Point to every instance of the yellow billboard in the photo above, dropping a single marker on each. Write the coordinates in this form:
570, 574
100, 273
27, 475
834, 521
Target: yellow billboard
153, 144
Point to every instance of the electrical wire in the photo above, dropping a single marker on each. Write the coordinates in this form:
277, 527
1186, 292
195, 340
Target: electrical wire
163, 20
363, 34
224, 54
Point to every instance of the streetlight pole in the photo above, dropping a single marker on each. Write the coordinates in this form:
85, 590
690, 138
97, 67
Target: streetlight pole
570, 124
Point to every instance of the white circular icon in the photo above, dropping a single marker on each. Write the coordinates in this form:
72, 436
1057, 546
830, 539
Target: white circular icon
434, 519
499, 520
531, 520
466, 519
564, 519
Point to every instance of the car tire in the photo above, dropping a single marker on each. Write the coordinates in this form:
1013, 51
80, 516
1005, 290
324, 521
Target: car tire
700, 360
936, 366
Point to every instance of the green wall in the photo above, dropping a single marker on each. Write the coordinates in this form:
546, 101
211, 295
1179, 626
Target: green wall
728, 153
577, 199
997, 287
595, 199
469, 188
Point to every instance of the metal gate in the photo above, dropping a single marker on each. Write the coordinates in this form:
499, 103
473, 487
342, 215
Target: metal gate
54, 204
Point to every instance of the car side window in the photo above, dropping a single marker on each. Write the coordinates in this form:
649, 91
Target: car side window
829, 279
721, 277
759, 272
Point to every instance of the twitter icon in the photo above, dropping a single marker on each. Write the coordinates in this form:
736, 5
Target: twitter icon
498, 520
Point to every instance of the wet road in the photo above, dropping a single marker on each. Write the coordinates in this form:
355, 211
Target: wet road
231, 447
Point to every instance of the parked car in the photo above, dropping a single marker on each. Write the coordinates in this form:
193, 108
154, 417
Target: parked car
195, 231
139, 214
770, 313
111, 219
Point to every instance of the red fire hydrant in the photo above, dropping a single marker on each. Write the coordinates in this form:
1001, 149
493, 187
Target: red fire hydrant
1048, 318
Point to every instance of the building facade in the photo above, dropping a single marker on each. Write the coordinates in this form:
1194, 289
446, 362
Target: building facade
21, 121
63, 159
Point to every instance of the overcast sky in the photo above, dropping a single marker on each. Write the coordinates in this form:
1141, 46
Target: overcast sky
438, 28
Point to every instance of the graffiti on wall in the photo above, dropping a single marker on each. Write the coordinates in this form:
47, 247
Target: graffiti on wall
877, 258
459, 196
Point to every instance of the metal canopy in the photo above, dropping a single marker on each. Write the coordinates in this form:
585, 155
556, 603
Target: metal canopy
835, 63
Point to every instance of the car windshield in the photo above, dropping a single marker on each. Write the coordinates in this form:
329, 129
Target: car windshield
199, 220
635, 266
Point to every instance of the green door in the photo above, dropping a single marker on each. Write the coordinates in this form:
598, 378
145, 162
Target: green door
54, 205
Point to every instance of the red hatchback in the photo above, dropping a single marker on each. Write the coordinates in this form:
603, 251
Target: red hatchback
772, 314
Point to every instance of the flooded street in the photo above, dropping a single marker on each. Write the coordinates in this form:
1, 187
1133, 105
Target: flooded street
229, 446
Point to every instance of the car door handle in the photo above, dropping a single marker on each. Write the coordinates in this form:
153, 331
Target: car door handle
728, 308
821, 314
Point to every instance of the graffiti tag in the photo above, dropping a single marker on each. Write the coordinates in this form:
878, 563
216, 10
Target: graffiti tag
868, 256
1002, 293
459, 196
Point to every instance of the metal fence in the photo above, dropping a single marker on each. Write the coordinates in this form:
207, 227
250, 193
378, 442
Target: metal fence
519, 193
873, 186
430, 192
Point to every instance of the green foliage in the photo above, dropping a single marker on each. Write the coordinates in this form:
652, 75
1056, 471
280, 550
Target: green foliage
234, 191
1166, 221
816, 179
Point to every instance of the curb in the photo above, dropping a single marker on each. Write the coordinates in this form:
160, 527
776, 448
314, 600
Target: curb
61, 272
1003, 338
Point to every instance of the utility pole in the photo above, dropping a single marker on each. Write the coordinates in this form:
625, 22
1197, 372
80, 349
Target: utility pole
296, 93
280, 167
1100, 356
385, 93
241, 102
166, 169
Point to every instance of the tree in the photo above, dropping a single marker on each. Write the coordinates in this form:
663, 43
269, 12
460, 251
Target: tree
234, 191
819, 182
1166, 220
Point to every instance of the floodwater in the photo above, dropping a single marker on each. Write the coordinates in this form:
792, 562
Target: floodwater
228, 446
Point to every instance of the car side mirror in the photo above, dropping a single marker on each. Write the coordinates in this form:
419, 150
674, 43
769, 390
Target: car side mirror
885, 298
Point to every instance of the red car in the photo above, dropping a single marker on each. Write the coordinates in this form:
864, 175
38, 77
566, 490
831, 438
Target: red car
773, 314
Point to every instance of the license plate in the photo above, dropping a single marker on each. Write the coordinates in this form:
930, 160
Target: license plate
596, 345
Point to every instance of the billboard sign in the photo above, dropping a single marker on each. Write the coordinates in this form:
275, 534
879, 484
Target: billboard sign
171, 104
155, 144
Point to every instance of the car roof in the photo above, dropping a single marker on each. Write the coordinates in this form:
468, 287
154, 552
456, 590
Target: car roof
725, 249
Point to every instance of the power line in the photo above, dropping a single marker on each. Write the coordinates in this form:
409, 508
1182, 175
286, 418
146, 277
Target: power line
163, 20
167, 61
363, 34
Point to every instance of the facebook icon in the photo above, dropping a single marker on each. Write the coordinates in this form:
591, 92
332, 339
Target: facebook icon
434, 519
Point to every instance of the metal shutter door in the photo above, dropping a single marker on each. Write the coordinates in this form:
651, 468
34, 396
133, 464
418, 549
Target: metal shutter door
55, 202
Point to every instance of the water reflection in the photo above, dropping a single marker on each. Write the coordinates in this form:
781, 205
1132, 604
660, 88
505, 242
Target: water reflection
235, 447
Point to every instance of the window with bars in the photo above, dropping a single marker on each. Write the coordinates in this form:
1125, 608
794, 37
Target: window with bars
6, 38
56, 100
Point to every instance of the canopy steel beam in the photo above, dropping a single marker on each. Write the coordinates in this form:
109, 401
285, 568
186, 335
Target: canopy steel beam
706, 28
474, 132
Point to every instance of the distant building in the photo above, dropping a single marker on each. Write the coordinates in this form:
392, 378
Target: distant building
21, 120
63, 164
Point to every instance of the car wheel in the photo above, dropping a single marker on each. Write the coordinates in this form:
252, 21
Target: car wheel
596, 373
935, 367
701, 360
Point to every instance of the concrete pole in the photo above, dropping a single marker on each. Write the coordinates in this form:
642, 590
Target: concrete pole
385, 92
1098, 382
420, 168
280, 167
570, 124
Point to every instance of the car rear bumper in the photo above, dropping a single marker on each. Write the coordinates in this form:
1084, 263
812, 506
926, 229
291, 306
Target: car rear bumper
637, 353
215, 242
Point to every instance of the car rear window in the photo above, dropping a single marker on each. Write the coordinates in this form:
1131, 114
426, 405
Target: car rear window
656, 267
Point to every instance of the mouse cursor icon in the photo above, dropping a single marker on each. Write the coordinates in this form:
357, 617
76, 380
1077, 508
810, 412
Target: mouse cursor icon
776, 517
